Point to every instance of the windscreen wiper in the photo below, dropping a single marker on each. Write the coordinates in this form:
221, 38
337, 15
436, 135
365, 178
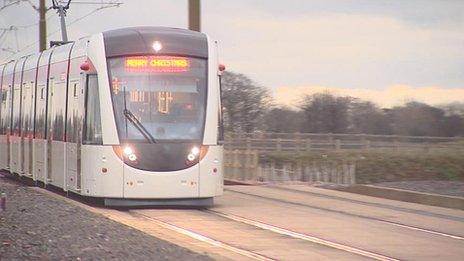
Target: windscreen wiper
131, 117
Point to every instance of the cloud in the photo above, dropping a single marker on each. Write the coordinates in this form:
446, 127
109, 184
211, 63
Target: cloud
352, 44
350, 50
387, 97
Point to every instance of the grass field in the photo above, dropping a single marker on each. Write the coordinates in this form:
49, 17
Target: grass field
383, 166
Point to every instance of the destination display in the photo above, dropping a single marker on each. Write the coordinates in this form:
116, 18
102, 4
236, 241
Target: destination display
167, 64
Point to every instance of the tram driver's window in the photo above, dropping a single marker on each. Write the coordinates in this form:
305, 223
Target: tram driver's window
92, 129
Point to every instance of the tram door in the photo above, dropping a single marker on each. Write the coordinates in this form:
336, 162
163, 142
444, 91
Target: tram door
27, 125
6, 119
15, 138
55, 139
74, 125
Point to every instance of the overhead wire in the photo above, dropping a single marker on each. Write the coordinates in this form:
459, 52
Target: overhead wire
16, 39
4, 6
34, 24
110, 4
3, 36
15, 28
97, 3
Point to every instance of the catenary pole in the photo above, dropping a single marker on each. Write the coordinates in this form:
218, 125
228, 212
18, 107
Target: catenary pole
194, 15
62, 13
61, 10
42, 26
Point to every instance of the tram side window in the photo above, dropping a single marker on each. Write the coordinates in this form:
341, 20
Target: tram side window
16, 104
220, 129
92, 131
3, 109
220, 116
41, 103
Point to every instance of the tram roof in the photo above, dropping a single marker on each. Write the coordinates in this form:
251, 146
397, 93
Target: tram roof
139, 40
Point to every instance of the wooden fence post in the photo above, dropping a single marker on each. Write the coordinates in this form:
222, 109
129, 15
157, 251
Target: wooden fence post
331, 141
248, 144
308, 173
346, 173
308, 145
362, 140
279, 144
287, 172
352, 173
367, 145
426, 147
255, 165
297, 141
246, 164
273, 171
320, 172
236, 164
316, 175
298, 173
396, 144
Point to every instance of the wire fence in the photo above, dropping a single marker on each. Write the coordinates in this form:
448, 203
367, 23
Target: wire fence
245, 154
301, 142
246, 165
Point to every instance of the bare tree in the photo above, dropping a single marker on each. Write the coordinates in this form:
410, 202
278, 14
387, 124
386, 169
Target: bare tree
454, 108
418, 119
366, 117
325, 113
283, 119
453, 125
245, 103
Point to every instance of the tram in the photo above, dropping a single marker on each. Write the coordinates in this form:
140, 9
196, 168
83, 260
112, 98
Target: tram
131, 116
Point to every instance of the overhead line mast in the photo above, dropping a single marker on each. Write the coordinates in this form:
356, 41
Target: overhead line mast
61, 9
42, 9
194, 13
42, 26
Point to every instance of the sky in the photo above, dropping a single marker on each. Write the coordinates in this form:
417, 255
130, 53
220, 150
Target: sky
386, 51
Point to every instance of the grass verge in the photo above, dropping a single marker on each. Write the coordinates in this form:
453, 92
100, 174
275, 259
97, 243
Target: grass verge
385, 166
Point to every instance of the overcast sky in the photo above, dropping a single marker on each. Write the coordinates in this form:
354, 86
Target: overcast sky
369, 47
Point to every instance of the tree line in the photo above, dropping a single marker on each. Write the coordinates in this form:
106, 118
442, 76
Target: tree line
249, 107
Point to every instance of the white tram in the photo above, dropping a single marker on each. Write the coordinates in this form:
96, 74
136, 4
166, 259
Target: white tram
130, 115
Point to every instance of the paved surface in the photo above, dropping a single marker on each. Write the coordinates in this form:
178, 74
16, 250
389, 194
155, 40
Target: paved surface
389, 229
298, 222
363, 222
449, 188
36, 226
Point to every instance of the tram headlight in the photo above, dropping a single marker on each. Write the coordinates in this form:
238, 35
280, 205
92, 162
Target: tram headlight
157, 46
197, 153
132, 157
191, 157
194, 152
129, 153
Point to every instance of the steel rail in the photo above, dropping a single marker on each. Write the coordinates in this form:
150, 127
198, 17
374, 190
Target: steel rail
372, 204
205, 239
305, 237
355, 215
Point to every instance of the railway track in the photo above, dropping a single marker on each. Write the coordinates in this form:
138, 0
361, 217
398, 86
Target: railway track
373, 204
268, 227
234, 233
205, 239
397, 224
311, 238
305, 237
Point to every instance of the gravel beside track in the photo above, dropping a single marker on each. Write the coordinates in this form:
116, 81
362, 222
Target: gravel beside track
36, 226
